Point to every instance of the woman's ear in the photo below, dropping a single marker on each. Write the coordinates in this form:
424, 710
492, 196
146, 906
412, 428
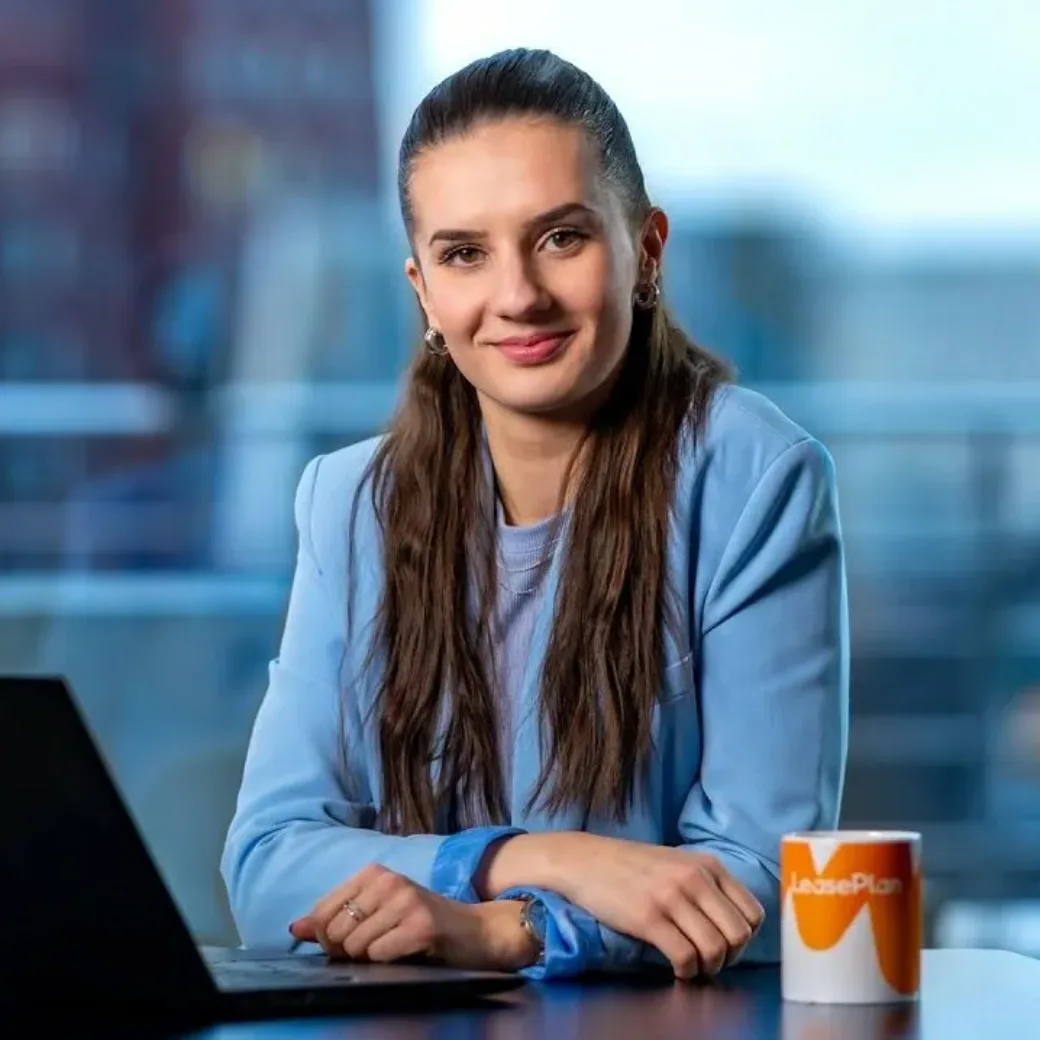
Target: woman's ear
415, 278
651, 245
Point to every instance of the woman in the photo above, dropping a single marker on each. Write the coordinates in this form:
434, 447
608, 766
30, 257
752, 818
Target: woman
565, 653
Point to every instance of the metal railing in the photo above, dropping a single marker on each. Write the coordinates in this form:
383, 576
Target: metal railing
988, 417
869, 410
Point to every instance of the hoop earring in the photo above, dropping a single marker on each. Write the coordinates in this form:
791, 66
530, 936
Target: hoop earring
434, 340
647, 297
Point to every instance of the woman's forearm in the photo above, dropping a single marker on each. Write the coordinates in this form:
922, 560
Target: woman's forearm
539, 860
685, 902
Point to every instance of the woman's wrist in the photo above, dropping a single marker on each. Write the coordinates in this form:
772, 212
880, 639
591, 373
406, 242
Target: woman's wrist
537, 860
509, 945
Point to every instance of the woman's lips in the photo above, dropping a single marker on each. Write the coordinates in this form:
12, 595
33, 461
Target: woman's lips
534, 350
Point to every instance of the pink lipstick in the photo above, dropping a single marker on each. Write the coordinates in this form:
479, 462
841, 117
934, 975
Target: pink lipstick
535, 349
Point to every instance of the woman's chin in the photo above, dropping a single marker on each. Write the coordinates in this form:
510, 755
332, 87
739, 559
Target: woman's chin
541, 401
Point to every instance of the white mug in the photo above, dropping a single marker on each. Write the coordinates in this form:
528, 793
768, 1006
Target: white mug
851, 917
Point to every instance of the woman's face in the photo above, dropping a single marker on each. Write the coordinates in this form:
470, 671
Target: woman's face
525, 262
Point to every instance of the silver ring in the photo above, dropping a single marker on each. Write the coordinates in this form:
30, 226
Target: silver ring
354, 910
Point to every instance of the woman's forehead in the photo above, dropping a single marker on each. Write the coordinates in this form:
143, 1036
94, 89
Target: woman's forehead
504, 172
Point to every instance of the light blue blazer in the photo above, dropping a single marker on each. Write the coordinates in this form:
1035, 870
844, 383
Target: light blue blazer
750, 728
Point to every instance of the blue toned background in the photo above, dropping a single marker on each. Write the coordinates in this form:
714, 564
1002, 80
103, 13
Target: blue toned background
201, 287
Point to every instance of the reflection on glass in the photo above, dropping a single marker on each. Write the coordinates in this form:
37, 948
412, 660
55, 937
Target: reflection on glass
201, 287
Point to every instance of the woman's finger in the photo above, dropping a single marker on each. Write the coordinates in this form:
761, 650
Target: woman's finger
352, 915
734, 927
400, 941
677, 947
710, 944
329, 905
752, 910
359, 938
303, 929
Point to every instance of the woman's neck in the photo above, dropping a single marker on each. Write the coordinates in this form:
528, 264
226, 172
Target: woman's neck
531, 456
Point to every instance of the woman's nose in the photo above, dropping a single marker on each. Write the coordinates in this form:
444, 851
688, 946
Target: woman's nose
518, 292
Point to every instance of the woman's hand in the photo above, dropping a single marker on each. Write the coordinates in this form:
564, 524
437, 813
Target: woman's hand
378, 915
684, 903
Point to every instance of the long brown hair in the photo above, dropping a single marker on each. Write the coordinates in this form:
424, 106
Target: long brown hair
430, 489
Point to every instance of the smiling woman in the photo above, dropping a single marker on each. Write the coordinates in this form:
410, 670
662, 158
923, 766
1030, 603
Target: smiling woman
544, 272
566, 650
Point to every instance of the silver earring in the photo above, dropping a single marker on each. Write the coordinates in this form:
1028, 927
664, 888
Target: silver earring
646, 298
434, 340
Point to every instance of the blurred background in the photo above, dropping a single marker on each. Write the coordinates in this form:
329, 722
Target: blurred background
201, 287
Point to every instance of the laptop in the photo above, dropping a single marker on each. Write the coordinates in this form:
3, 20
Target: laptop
88, 924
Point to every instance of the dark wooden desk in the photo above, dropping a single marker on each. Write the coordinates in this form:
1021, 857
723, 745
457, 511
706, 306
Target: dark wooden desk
966, 993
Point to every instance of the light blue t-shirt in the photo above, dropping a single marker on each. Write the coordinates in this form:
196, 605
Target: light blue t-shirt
523, 566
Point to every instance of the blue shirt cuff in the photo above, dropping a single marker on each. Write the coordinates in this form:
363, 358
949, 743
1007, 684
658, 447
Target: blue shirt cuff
458, 859
573, 944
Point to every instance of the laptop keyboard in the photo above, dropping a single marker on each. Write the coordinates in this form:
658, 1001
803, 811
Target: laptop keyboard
298, 971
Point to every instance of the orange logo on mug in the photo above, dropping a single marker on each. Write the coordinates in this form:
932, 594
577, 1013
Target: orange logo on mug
882, 877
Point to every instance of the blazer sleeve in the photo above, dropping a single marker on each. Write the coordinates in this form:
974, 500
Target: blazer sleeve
304, 819
773, 689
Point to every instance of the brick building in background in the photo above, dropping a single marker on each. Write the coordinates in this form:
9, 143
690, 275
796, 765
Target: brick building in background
137, 144
248, 100
66, 265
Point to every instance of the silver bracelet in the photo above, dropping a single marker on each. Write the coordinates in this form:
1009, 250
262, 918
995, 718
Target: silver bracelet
531, 904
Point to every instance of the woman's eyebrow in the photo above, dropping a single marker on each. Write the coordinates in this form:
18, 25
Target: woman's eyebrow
567, 209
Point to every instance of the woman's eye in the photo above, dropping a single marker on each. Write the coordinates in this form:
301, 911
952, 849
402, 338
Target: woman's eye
563, 238
463, 256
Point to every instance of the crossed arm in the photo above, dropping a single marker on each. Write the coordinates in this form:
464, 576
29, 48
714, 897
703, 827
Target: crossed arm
772, 703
